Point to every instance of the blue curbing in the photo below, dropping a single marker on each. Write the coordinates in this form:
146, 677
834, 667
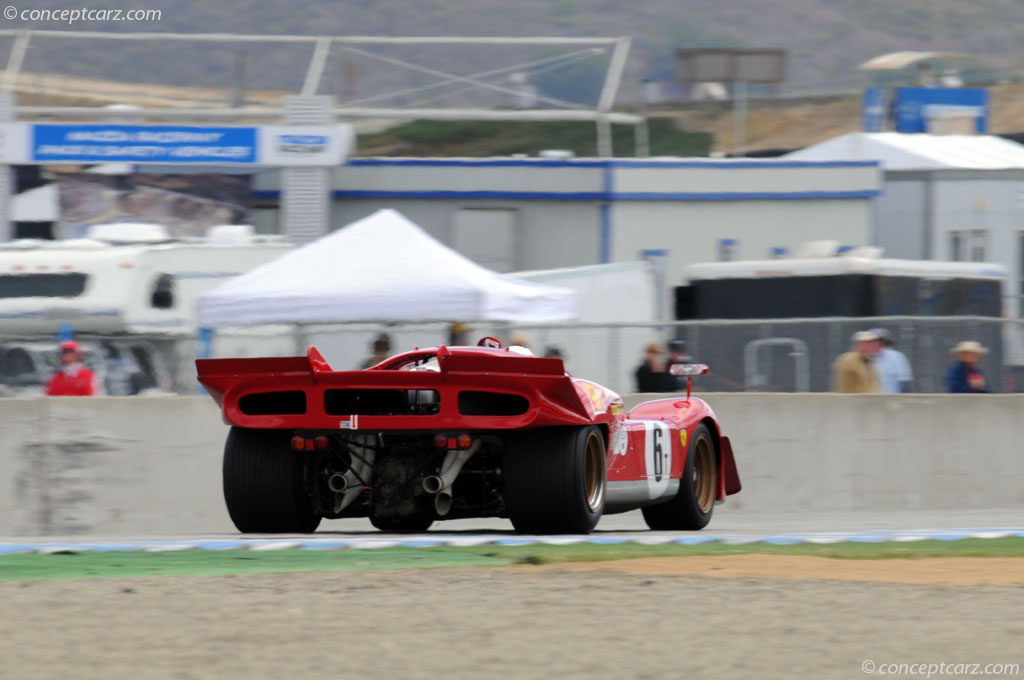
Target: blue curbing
431, 541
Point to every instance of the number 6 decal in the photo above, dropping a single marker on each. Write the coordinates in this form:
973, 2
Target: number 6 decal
657, 457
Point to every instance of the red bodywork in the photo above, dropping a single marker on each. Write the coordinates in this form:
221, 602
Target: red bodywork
634, 441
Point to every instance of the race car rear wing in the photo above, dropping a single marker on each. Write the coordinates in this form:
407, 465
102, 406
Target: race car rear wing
463, 391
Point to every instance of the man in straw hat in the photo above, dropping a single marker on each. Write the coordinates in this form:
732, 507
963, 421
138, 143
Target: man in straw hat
965, 375
854, 371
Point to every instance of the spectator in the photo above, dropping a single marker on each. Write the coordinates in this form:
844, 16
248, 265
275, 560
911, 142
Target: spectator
381, 350
553, 352
854, 371
73, 379
117, 381
458, 335
652, 375
893, 368
965, 376
521, 341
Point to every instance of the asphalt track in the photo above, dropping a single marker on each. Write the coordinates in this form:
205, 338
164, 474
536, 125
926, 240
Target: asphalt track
726, 527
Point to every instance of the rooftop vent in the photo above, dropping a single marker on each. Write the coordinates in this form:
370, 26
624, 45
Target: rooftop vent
129, 232
231, 234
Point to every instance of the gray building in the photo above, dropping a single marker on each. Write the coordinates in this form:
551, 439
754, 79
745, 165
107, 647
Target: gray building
946, 197
515, 213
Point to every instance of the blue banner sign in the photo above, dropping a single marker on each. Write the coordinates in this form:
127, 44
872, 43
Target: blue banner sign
921, 109
143, 144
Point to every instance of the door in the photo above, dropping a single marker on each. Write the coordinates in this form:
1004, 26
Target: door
487, 236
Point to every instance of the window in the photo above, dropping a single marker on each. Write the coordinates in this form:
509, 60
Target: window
727, 248
1020, 260
956, 246
979, 242
17, 368
163, 292
42, 285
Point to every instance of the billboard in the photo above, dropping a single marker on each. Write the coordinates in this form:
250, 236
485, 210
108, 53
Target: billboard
277, 145
187, 205
139, 144
728, 65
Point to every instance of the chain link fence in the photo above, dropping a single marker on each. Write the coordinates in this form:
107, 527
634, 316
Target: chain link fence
784, 355
777, 355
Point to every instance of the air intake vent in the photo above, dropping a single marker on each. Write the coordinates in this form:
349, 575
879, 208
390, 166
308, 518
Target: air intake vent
492, 404
291, 403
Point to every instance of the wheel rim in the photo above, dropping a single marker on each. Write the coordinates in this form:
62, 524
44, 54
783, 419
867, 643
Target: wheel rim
704, 474
593, 472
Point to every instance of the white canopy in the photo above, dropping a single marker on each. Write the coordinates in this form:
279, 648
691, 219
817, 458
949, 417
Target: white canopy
382, 268
918, 151
894, 61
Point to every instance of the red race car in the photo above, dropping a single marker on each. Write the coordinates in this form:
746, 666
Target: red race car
458, 432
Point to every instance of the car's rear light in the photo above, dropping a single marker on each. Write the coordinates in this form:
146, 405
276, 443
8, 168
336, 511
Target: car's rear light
452, 442
298, 443
320, 442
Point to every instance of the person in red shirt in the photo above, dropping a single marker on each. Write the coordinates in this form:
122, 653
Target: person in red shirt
73, 379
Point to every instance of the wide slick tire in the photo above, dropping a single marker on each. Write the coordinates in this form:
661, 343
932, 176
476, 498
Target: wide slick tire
691, 508
556, 480
401, 525
264, 487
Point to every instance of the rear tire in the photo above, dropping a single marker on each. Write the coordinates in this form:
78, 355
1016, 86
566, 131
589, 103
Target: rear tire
690, 509
401, 525
555, 480
264, 487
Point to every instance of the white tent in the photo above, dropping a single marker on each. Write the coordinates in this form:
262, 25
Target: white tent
918, 151
382, 268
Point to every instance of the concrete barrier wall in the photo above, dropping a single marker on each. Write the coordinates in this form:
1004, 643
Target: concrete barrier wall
117, 466
110, 465
832, 452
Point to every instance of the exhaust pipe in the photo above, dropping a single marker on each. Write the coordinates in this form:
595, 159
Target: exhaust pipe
350, 484
441, 485
337, 482
433, 484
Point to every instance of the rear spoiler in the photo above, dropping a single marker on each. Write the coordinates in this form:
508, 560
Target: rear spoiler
543, 381
216, 375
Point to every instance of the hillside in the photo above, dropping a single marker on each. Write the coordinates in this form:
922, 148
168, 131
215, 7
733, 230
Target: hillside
680, 128
690, 129
825, 40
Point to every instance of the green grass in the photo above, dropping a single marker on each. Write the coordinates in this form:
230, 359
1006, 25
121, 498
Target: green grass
30, 567
500, 138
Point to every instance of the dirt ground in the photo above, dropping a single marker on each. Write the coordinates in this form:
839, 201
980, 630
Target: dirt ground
742, 616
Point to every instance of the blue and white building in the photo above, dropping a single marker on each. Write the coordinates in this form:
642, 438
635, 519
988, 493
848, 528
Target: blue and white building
514, 214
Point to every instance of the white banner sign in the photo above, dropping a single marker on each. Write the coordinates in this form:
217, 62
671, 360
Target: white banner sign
290, 145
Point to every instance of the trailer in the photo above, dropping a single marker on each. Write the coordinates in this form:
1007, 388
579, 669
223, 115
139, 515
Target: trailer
129, 293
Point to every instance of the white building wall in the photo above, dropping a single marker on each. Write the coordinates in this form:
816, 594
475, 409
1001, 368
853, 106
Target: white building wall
691, 230
550, 233
462, 175
588, 211
989, 211
747, 177
901, 219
